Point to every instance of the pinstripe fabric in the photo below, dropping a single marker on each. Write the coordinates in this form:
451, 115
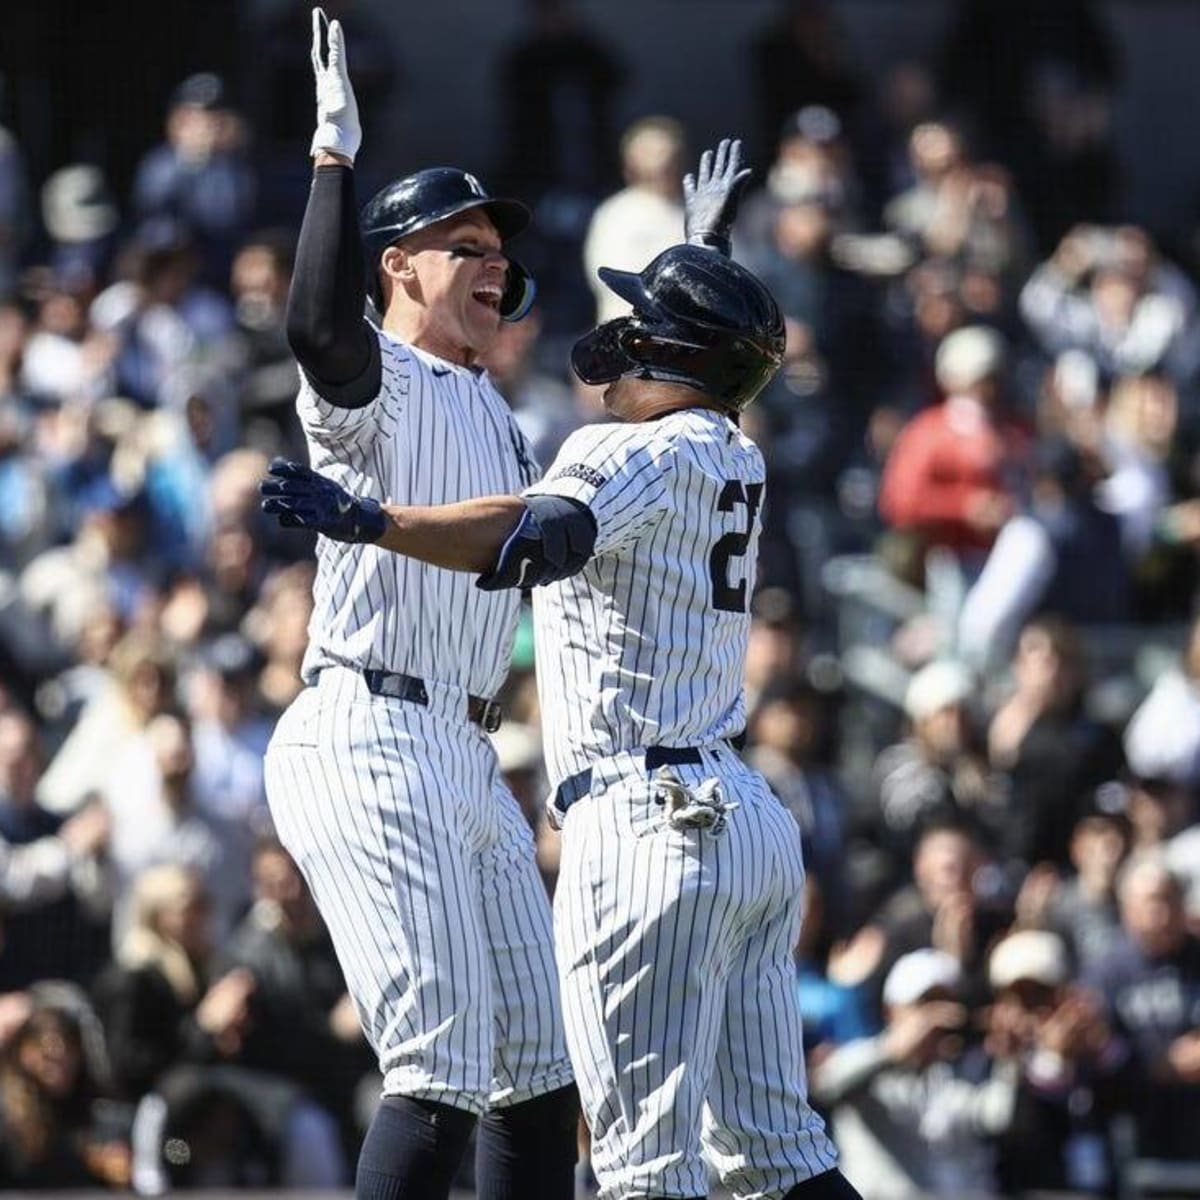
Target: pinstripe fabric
436, 433
422, 865
640, 655
675, 961
674, 947
417, 854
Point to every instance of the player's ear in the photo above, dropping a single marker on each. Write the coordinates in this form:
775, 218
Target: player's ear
397, 263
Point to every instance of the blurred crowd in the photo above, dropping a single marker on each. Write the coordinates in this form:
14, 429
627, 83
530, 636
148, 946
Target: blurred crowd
988, 418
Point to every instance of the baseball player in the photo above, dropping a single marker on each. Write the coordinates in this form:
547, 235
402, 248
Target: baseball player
381, 778
679, 897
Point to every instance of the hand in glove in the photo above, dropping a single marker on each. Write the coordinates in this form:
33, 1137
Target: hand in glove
299, 498
338, 128
711, 196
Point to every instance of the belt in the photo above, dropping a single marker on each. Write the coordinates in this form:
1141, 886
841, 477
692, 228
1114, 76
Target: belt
408, 687
575, 787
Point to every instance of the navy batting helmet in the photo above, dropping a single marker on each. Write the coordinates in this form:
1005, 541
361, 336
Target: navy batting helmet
698, 319
412, 203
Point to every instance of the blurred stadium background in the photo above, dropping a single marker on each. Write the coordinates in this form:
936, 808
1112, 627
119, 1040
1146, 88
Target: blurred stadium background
975, 667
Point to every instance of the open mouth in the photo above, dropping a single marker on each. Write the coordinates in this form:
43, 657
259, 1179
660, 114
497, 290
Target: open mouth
489, 295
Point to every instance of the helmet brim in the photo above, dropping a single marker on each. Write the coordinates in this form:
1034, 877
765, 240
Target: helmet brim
630, 287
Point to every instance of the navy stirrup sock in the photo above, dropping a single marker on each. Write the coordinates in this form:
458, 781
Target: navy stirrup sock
528, 1151
412, 1150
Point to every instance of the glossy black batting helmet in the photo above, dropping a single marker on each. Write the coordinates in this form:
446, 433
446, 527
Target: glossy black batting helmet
412, 203
698, 319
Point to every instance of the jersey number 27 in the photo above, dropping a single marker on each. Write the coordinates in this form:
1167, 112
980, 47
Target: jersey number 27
731, 597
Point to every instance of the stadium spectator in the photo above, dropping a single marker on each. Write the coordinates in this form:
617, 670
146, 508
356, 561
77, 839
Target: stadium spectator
268, 376
1082, 908
952, 477
543, 405
200, 175
789, 744
305, 1027
50, 880
915, 1108
151, 798
937, 773
1048, 751
1104, 292
1163, 736
833, 1003
177, 1027
951, 906
631, 227
811, 159
51, 1132
1150, 983
230, 735
139, 682
1068, 1058
1062, 554
164, 319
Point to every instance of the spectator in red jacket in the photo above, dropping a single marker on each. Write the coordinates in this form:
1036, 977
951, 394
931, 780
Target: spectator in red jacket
951, 476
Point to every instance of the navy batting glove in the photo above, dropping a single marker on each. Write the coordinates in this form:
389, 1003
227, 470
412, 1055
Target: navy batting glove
299, 498
711, 196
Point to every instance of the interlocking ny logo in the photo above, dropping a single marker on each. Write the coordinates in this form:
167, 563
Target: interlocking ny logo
474, 184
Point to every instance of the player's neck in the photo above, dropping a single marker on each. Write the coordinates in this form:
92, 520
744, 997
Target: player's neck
655, 400
411, 327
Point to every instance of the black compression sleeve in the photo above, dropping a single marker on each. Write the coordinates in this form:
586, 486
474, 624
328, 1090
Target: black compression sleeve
326, 329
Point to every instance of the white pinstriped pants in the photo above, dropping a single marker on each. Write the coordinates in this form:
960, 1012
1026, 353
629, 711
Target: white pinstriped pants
422, 866
678, 983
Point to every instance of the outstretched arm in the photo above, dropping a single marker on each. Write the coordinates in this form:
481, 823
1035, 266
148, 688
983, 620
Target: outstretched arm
325, 325
507, 540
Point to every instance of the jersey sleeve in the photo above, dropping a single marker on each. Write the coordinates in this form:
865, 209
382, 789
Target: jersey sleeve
331, 425
620, 474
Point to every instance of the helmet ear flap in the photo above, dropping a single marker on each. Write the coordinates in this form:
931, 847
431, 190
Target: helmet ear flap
520, 291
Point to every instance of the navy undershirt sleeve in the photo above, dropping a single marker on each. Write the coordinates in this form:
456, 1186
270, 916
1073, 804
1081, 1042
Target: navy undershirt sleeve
331, 339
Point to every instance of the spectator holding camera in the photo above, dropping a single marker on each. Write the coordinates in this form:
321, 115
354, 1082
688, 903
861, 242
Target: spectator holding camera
914, 1108
1068, 1059
1105, 292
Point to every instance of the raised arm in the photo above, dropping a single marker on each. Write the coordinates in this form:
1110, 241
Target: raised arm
326, 328
712, 195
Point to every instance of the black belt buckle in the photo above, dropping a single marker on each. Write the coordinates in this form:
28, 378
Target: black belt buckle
491, 715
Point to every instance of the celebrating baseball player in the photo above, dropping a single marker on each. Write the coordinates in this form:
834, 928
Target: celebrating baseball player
382, 781
679, 898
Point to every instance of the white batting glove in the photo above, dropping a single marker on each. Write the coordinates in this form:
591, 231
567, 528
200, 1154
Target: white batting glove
338, 127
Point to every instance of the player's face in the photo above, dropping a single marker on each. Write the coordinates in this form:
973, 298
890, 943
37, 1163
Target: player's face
459, 273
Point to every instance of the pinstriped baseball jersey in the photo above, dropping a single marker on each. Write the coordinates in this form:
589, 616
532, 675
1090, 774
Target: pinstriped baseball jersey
674, 942
631, 656
418, 855
436, 433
